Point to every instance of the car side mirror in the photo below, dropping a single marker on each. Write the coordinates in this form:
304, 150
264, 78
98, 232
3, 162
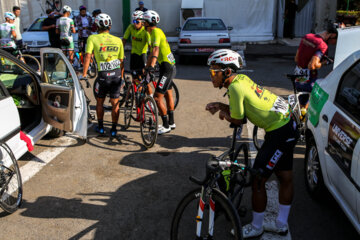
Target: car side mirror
230, 28
178, 29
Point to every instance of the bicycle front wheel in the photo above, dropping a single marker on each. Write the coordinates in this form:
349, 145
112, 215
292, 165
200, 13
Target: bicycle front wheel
32, 62
92, 70
187, 223
149, 122
10, 180
128, 102
258, 137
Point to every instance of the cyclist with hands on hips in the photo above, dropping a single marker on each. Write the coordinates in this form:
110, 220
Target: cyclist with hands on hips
161, 52
109, 55
65, 27
265, 110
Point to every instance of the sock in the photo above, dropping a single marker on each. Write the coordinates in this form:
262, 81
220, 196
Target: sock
165, 121
283, 215
101, 123
258, 218
113, 127
171, 117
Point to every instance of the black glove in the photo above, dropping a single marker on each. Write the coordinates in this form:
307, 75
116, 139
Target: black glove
150, 70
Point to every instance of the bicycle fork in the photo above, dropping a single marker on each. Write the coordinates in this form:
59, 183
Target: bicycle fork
199, 217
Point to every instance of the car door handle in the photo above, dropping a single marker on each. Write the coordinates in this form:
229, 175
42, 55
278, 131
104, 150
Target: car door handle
325, 118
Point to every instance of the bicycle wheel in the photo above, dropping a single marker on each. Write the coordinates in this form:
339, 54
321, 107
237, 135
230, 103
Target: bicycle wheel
92, 70
176, 95
258, 137
10, 180
128, 101
186, 223
149, 122
32, 62
57, 5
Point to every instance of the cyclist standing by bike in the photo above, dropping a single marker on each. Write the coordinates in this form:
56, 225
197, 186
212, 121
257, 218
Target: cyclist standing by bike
310, 57
65, 27
265, 110
8, 34
140, 40
161, 52
109, 55
84, 24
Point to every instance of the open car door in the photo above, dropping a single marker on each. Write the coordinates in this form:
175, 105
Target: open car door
62, 97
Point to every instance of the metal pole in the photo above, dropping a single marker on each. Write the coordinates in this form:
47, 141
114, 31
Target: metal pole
347, 7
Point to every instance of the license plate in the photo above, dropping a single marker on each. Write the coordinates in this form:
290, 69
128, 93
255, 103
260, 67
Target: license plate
34, 50
204, 49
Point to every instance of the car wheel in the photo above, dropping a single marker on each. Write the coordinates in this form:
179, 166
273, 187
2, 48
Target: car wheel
313, 176
55, 133
182, 59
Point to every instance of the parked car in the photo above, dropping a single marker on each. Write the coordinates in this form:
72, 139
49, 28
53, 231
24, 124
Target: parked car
39, 104
202, 36
332, 159
35, 38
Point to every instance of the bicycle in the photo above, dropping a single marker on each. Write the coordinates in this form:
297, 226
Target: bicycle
10, 180
78, 64
91, 116
222, 201
146, 109
25, 58
295, 111
54, 5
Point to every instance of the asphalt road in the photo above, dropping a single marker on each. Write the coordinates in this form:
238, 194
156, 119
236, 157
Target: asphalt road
117, 189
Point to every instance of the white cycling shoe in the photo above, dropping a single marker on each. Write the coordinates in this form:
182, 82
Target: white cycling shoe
162, 129
271, 226
249, 231
172, 126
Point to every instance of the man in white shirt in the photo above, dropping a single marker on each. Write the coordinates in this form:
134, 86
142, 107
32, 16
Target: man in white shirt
16, 11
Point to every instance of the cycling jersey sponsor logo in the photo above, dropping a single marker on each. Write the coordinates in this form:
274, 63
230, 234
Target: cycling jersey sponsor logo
162, 82
229, 59
108, 49
259, 91
137, 39
275, 158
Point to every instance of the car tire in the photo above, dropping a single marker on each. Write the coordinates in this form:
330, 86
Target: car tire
312, 171
183, 59
55, 133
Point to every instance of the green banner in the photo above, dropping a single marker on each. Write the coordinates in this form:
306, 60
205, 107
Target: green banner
318, 99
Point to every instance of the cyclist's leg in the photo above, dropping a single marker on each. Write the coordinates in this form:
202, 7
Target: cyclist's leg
115, 86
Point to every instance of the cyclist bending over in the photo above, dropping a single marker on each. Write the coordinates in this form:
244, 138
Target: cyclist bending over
65, 27
8, 35
140, 40
265, 110
109, 55
160, 51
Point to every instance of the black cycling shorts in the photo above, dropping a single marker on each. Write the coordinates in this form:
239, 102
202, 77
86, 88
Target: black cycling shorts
137, 62
277, 151
166, 76
108, 82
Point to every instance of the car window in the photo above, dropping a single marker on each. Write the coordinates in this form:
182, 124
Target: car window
37, 25
204, 24
56, 71
348, 94
11, 75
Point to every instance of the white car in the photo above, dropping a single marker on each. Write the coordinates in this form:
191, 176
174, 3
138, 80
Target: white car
332, 159
37, 104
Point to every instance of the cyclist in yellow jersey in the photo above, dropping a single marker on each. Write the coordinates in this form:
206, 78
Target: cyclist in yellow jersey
266, 110
109, 54
161, 52
140, 40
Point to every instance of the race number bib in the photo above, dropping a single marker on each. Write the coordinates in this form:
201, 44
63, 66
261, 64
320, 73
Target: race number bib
280, 106
171, 58
108, 66
305, 74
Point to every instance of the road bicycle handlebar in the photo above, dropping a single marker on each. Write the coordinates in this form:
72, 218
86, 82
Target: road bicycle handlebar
81, 78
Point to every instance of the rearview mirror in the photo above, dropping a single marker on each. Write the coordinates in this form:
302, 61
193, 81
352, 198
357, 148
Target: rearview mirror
230, 28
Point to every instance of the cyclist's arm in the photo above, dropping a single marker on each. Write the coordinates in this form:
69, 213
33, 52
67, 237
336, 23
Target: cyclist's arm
314, 63
297, 56
72, 27
226, 115
214, 107
86, 63
153, 57
13, 33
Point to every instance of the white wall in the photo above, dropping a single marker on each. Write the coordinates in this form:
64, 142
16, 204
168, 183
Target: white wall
324, 10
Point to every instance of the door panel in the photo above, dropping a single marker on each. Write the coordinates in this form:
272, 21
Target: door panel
63, 98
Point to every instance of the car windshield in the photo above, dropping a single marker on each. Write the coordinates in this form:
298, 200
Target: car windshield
36, 26
204, 24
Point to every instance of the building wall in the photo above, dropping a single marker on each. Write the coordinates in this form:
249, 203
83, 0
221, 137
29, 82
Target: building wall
325, 10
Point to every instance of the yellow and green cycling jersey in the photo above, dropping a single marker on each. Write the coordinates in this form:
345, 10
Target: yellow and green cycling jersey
263, 108
108, 50
158, 39
140, 39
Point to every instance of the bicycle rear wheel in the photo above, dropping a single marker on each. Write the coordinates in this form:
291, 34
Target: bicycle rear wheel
10, 180
176, 95
32, 62
128, 101
186, 218
92, 71
258, 137
149, 122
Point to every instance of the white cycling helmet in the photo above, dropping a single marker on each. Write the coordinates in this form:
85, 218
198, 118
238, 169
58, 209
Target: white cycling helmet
151, 17
138, 15
226, 58
103, 20
66, 8
9, 15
